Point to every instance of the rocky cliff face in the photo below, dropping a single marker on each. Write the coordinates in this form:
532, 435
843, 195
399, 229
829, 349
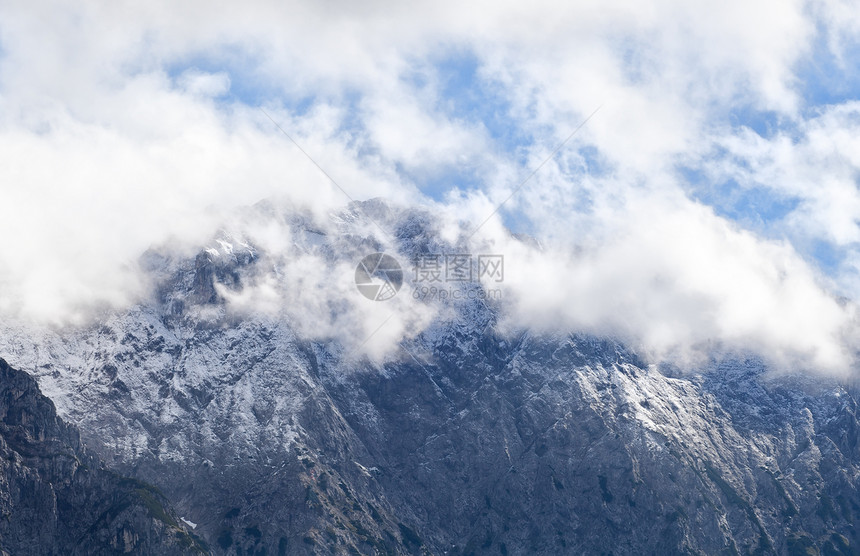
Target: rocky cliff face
463, 442
57, 499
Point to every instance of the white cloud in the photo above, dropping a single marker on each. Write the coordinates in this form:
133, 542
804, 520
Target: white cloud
204, 84
122, 125
814, 167
674, 279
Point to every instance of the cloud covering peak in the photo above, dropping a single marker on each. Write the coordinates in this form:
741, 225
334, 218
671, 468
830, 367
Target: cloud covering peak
711, 201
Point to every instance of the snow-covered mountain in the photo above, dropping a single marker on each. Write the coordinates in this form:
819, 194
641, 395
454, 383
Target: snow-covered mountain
461, 440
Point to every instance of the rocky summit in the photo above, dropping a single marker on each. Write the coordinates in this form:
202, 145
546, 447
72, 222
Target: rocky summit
466, 439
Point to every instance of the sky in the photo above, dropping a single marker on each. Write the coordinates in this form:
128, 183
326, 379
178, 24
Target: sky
711, 197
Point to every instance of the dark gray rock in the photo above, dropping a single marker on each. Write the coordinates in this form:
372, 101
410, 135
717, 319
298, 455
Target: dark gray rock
57, 499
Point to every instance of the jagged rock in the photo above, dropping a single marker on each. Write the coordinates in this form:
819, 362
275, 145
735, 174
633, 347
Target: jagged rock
463, 442
55, 498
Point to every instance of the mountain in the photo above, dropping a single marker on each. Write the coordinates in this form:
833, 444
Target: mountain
464, 440
55, 498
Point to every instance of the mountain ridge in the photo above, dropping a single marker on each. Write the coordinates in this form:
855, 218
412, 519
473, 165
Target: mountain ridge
463, 440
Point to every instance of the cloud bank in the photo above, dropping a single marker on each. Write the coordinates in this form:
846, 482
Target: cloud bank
712, 200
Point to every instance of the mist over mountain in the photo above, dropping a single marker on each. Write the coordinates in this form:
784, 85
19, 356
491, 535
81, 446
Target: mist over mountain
274, 437
429, 277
